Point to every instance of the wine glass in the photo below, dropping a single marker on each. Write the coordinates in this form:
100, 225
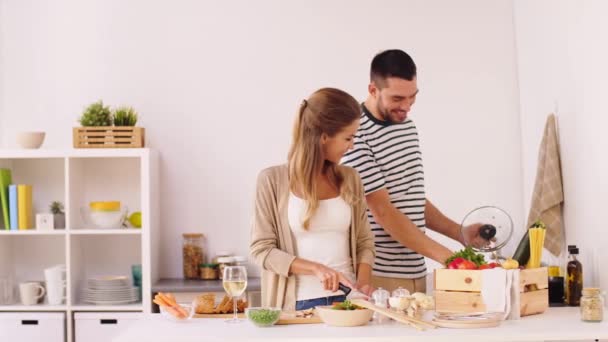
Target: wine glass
234, 280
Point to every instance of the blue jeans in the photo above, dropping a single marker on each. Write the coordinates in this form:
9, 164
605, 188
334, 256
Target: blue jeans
311, 303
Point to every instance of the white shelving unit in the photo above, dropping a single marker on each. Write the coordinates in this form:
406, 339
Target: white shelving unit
76, 177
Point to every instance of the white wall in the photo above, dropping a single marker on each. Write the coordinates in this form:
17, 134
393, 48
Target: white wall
562, 63
217, 84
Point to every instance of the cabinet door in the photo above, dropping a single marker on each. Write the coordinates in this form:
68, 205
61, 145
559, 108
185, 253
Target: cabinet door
30, 326
102, 326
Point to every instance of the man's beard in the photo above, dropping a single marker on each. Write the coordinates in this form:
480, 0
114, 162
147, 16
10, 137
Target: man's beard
384, 113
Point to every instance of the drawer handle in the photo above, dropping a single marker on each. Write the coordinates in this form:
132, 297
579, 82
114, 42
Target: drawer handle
108, 321
468, 280
29, 322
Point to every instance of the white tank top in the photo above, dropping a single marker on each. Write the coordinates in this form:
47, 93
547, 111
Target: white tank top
326, 241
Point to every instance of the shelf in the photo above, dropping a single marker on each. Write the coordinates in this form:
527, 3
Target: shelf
126, 231
92, 307
38, 307
62, 153
33, 232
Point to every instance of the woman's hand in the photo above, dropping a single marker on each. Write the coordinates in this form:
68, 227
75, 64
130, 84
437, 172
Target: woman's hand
330, 278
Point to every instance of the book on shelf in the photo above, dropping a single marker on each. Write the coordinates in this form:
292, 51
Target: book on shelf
13, 205
5, 181
24, 199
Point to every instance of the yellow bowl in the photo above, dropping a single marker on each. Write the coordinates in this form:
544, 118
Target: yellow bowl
105, 206
344, 318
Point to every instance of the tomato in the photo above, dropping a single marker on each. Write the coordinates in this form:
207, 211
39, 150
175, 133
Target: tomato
454, 264
493, 265
467, 265
485, 267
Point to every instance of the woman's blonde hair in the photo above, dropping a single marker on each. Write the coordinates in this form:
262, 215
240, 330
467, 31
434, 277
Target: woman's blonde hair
327, 110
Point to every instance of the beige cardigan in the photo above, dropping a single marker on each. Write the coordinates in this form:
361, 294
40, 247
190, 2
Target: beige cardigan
272, 243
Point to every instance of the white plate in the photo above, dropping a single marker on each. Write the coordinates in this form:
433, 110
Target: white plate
109, 302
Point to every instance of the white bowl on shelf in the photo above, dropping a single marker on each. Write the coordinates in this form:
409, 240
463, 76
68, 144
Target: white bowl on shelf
30, 140
104, 219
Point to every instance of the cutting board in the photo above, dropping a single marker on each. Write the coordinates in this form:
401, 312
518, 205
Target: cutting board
399, 317
473, 324
282, 321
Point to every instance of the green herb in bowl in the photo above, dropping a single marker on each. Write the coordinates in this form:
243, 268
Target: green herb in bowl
263, 317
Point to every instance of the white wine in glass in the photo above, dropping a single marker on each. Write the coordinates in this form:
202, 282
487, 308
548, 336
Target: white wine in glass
234, 280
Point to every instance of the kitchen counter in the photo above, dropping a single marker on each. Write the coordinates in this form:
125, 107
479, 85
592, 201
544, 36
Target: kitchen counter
183, 285
557, 324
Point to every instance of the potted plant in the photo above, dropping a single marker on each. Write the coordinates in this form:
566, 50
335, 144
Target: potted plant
102, 127
125, 116
58, 215
96, 115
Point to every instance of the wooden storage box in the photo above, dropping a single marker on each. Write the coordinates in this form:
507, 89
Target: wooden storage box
459, 291
109, 137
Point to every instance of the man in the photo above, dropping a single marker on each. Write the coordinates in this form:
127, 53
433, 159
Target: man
387, 155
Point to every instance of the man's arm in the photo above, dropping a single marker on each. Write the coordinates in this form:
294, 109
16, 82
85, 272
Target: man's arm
440, 223
402, 229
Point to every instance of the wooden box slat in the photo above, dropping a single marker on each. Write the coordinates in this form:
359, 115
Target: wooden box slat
109, 137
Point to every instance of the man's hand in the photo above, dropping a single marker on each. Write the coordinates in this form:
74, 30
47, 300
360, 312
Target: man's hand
472, 237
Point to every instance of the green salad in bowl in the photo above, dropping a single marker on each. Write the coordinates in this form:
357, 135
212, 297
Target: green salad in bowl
263, 317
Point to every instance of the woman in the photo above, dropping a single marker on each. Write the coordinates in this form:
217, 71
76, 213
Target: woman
310, 230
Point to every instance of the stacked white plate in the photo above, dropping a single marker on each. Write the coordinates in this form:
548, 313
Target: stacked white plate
110, 290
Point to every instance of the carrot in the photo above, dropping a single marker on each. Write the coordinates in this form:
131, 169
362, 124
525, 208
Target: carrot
161, 301
174, 312
182, 311
169, 301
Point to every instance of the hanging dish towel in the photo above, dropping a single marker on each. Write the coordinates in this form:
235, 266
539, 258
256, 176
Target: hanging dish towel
548, 194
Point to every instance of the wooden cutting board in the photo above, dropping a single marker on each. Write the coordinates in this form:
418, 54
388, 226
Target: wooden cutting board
418, 324
225, 316
462, 324
282, 321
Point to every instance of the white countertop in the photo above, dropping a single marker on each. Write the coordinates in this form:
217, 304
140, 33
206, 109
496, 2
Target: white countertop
557, 324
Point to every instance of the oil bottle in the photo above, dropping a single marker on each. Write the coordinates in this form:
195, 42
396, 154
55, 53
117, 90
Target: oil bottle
574, 282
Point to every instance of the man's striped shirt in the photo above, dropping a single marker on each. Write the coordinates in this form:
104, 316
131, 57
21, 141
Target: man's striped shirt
387, 155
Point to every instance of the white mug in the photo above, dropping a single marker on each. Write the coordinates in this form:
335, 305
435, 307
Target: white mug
55, 292
55, 284
30, 293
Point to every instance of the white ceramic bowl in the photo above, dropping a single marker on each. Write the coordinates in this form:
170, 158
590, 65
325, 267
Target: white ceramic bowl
30, 139
344, 318
189, 307
104, 219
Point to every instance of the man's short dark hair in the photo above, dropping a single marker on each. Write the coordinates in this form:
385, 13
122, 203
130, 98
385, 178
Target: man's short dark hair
392, 63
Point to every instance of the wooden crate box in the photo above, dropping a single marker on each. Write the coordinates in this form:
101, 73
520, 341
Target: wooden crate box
109, 137
459, 291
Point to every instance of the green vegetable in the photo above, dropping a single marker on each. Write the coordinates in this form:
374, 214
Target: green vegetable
522, 253
538, 224
468, 254
264, 317
346, 305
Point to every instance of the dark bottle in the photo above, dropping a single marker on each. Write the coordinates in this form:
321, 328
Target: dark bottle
574, 282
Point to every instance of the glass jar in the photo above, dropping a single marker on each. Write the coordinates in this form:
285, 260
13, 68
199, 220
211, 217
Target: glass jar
222, 263
192, 250
380, 298
592, 305
220, 255
208, 271
239, 260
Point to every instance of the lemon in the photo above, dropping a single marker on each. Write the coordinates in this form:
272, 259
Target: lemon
135, 219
